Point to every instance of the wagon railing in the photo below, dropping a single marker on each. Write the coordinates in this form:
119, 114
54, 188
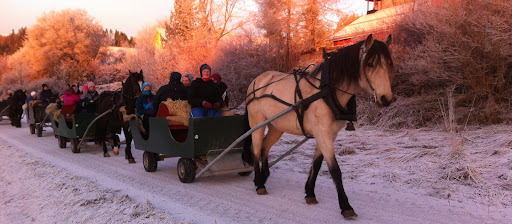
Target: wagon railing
92, 123
246, 134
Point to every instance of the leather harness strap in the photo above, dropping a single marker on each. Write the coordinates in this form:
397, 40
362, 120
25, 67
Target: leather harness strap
327, 93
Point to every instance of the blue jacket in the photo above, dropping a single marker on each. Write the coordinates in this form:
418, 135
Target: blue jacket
144, 104
30, 98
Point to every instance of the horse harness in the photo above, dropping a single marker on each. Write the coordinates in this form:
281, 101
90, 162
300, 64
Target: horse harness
327, 93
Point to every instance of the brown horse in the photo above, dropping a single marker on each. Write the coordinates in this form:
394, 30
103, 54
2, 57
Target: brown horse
365, 65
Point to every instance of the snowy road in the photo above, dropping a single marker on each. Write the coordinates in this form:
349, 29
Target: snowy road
39, 182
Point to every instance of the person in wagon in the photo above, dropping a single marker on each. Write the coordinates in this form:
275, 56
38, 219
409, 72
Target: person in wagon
187, 80
89, 99
32, 97
45, 95
173, 90
144, 105
223, 89
71, 96
204, 97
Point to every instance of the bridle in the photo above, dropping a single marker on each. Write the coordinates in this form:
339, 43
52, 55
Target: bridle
362, 56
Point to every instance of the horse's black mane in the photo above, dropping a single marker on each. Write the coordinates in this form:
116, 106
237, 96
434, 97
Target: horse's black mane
344, 66
131, 90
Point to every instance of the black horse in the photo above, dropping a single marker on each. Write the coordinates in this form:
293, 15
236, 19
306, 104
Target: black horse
130, 91
123, 105
15, 103
113, 120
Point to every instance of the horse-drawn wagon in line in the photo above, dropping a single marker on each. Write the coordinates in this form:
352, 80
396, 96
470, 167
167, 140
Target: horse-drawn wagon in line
198, 144
37, 119
74, 128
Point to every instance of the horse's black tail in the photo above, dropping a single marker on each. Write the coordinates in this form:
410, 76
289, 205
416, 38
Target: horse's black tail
247, 154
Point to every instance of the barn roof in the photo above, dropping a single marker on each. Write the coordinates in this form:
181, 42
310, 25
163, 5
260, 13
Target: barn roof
377, 22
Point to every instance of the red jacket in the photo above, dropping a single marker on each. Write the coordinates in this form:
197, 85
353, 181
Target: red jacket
71, 99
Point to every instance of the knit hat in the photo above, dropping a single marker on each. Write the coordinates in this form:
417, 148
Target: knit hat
145, 84
216, 77
33, 93
203, 67
44, 85
189, 76
175, 76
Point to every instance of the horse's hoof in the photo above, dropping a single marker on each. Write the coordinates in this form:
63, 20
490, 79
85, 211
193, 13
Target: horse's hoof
311, 200
349, 214
116, 150
261, 191
131, 160
106, 154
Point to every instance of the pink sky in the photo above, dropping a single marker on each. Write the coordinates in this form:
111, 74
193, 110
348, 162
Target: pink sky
128, 16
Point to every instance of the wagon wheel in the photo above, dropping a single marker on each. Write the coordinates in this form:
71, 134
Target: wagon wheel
62, 141
32, 129
186, 170
74, 145
39, 130
150, 161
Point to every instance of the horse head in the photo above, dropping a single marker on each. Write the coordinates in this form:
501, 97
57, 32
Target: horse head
133, 83
131, 89
376, 69
19, 96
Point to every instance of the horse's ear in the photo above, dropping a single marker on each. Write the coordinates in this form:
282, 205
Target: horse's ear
141, 71
388, 40
369, 42
324, 53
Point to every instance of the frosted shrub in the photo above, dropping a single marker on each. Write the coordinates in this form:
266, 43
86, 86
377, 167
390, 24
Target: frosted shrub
464, 45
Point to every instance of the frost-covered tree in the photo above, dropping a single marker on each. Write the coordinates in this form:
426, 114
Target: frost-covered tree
63, 44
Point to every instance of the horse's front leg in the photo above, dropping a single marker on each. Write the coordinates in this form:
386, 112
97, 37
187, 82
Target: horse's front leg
104, 145
326, 146
270, 139
313, 173
115, 143
128, 148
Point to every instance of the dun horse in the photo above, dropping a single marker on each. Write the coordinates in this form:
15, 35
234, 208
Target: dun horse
365, 65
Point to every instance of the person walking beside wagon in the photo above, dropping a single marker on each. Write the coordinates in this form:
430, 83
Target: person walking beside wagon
204, 97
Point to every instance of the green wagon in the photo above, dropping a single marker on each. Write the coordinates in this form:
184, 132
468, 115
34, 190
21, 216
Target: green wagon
37, 119
74, 130
198, 145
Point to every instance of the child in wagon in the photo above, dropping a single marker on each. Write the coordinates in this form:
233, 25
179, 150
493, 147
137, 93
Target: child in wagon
144, 104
